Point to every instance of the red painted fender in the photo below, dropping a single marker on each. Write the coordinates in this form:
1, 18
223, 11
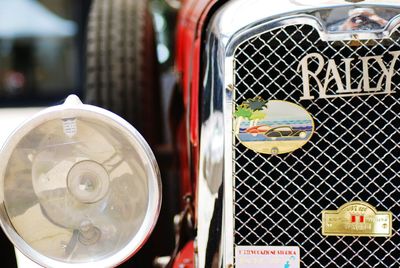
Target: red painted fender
185, 258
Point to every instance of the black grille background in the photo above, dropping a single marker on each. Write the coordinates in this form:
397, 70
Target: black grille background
354, 154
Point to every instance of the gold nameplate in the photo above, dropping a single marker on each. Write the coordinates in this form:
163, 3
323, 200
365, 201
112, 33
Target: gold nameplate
356, 219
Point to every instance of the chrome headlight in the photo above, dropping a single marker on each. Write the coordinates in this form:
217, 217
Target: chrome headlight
78, 185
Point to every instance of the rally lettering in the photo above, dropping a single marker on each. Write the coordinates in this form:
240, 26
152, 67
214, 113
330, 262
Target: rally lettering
332, 76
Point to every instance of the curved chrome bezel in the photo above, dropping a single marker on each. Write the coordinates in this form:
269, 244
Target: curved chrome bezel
69, 110
228, 28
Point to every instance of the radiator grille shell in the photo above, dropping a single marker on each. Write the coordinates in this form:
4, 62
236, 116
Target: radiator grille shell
353, 155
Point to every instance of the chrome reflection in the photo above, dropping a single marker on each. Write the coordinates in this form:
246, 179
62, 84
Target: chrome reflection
210, 187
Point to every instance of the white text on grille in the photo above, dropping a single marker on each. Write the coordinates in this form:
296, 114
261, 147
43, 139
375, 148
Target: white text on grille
344, 84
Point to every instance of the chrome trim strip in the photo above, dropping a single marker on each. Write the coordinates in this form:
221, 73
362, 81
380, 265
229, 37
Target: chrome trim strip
234, 16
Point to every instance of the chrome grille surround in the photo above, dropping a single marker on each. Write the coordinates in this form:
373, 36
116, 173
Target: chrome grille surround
354, 154
230, 27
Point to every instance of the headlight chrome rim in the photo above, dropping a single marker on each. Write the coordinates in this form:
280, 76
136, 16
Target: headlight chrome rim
75, 109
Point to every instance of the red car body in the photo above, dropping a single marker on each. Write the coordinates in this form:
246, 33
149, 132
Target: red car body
191, 19
188, 54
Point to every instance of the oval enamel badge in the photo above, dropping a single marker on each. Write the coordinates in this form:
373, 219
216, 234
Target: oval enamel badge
272, 127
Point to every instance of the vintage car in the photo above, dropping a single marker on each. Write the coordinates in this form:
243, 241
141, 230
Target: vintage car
285, 132
327, 199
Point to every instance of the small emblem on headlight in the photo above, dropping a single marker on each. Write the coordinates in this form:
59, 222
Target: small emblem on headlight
356, 219
272, 127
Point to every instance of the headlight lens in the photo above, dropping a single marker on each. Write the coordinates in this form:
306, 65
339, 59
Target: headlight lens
79, 185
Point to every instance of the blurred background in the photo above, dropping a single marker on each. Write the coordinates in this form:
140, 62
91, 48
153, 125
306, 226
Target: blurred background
43, 60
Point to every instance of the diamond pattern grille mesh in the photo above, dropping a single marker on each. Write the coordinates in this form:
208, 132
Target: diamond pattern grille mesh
354, 154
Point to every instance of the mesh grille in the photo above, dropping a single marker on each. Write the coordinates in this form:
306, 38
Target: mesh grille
354, 154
